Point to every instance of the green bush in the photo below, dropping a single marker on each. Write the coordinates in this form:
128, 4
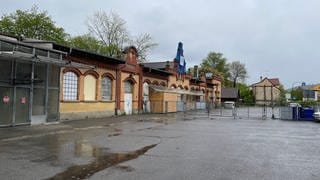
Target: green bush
307, 103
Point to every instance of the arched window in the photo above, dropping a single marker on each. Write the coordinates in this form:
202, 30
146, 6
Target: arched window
90, 83
106, 88
127, 87
145, 89
155, 83
70, 86
173, 86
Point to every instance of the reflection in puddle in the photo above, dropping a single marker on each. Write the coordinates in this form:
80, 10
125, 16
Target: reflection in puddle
114, 134
83, 149
103, 160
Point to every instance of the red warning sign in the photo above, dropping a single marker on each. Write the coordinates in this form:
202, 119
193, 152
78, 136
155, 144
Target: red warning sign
6, 99
23, 100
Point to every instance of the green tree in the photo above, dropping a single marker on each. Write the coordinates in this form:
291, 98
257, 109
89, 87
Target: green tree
32, 24
297, 94
217, 64
282, 100
85, 42
246, 94
237, 71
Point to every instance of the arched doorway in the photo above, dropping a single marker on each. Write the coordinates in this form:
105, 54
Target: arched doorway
128, 89
180, 100
146, 100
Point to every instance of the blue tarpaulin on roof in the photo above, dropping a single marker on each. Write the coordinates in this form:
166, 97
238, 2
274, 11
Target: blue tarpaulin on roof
181, 60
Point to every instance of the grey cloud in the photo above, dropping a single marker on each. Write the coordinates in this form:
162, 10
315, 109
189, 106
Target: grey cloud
276, 38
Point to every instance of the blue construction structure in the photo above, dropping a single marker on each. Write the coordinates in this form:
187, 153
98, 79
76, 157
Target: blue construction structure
302, 113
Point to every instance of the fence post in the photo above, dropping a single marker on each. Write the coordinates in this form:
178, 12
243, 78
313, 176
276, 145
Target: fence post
166, 106
208, 108
264, 112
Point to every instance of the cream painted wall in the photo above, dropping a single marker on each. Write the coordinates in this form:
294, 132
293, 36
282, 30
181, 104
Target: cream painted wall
90, 88
86, 106
264, 91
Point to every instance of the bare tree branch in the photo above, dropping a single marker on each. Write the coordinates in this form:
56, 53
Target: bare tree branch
237, 71
111, 31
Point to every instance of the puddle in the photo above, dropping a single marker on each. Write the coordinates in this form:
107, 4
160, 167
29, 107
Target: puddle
117, 130
46, 159
125, 168
102, 161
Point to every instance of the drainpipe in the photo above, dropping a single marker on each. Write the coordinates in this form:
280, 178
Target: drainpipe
140, 90
118, 86
116, 92
118, 89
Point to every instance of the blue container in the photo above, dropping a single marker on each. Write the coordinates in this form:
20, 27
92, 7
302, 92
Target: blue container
306, 114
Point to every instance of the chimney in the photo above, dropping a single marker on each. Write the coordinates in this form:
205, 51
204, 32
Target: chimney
189, 71
167, 65
195, 71
131, 54
260, 78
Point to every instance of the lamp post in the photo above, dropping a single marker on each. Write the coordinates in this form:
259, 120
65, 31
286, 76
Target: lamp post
297, 111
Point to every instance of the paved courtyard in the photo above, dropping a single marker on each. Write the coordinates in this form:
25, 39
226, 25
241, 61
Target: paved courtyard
184, 146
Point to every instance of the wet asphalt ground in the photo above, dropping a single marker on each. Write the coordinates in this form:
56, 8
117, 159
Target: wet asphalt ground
178, 146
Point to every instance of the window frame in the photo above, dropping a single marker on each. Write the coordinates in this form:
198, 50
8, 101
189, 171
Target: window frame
73, 84
103, 88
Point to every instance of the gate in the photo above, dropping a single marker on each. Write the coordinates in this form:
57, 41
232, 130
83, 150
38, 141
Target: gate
14, 106
247, 112
128, 103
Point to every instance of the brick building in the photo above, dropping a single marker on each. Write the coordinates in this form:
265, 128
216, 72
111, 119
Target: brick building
91, 85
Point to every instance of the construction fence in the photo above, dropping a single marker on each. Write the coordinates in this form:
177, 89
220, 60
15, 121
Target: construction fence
243, 111
171, 106
248, 112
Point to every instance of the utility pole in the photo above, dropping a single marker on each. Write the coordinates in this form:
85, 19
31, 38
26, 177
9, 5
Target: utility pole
272, 105
264, 115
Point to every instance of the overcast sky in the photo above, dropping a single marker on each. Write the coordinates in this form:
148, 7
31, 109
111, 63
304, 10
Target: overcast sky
273, 38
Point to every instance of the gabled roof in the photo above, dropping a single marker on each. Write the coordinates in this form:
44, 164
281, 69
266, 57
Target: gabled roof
158, 65
307, 87
156, 71
230, 93
273, 81
84, 53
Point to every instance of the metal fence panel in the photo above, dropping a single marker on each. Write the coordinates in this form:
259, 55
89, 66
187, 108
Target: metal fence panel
253, 112
286, 113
